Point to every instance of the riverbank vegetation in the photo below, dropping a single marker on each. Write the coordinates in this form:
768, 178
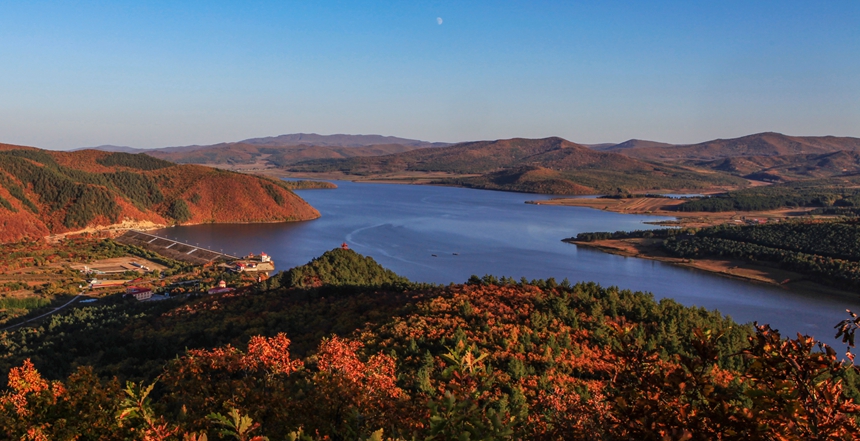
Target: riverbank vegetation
825, 251
377, 357
792, 195
306, 184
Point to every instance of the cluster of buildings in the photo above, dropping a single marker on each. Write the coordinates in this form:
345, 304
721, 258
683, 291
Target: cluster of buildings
220, 289
261, 265
138, 292
251, 263
142, 293
755, 221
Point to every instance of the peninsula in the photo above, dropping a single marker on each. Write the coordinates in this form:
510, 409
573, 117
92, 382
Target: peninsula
44, 193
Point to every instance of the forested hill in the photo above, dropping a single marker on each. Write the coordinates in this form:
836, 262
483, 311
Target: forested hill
540, 165
377, 357
45, 192
834, 195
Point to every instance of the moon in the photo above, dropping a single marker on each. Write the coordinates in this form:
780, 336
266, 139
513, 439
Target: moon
439, 20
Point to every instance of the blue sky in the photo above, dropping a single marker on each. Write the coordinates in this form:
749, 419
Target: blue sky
154, 74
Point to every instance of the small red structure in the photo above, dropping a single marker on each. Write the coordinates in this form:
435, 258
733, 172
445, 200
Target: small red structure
222, 284
344, 246
138, 292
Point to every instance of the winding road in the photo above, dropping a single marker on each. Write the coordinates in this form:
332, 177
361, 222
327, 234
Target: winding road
57, 309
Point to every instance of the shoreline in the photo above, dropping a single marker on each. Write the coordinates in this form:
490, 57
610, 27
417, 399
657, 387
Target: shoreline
732, 268
666, 207
116, 230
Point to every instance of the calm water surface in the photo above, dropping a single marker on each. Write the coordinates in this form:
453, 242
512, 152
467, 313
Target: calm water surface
443, 234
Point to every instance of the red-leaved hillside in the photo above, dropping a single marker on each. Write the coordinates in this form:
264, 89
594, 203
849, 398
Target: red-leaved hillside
48, 192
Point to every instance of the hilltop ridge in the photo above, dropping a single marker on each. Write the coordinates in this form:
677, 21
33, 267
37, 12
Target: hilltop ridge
569, 168
758, 144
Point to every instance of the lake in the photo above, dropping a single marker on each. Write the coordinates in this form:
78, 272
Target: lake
446, 234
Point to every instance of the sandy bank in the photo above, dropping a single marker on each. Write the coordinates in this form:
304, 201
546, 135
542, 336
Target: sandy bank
738, 269
667, 207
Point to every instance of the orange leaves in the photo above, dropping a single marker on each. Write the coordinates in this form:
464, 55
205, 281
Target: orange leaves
372, 380
26, 381
520, 362
271, 354
797, 389
264, 354
351, 397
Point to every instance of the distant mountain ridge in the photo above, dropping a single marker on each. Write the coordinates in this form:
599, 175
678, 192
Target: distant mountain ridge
291, 140
112, 148
338, 140
234, 154
759, 144
629, 144
768, 155
279, 151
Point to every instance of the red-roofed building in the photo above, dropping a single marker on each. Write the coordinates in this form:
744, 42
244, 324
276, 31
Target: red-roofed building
139, 292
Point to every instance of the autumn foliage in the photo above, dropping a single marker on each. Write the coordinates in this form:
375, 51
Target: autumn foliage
47, 192
490, 359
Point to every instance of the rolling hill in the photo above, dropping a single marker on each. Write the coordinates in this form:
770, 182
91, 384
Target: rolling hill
789, 167
112, 148
242, 153
629, 144
283, 150
47, 192
339, 140
760, 144
528, 165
